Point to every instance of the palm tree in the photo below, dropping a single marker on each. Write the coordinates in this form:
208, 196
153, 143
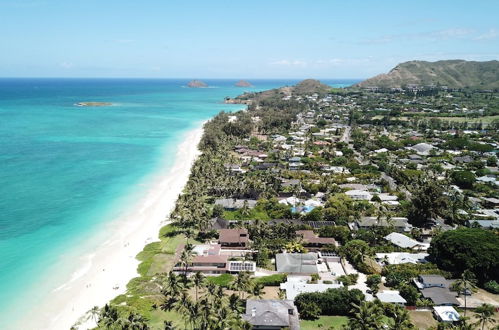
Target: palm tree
198, 281
186, 257
257, 290
235, 303
94, 313
184, 306
173, 285
485, 314
366, 316
245, 210
136, 322
241, 282
108, 316
171, 290
465, 283
168, 325
400, 317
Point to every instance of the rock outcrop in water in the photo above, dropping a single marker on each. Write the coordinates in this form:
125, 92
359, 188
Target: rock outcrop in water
243, 83
197, 84
93, 104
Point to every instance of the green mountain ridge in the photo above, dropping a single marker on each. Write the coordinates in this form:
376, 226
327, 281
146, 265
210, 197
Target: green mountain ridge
450, 73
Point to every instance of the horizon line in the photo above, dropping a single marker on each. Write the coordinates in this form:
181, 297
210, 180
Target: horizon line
172, 78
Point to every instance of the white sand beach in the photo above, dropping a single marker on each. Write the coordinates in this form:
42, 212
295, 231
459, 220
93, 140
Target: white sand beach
105, 272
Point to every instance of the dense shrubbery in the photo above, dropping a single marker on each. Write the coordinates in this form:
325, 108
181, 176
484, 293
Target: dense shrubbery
467, 248
402, 274
492, 286
463, 179
339, 233
347, 280
271, 280
330, 302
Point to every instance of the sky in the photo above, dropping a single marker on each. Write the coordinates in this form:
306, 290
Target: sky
239, 39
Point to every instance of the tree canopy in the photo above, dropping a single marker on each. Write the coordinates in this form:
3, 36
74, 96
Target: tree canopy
467, 248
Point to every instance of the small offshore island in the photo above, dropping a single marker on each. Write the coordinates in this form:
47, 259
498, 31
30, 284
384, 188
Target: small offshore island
197, 84
243, 83
93, 104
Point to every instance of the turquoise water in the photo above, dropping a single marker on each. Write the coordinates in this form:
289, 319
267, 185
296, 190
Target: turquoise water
65, 170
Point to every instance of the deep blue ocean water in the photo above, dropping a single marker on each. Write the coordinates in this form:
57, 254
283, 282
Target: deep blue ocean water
66, 169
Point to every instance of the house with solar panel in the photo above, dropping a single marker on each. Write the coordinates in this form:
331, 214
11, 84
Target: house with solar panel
210, 259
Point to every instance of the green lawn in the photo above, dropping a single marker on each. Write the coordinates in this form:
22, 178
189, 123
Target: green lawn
223, 280
324, 322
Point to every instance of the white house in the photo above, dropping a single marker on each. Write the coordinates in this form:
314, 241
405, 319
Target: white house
391, 297
405, 242
299, 284
446, 314
359, 194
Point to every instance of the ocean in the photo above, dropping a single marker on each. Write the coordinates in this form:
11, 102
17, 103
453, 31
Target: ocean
67, 170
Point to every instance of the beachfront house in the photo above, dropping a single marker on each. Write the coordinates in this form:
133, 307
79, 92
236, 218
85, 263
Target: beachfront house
232, 204
210, 259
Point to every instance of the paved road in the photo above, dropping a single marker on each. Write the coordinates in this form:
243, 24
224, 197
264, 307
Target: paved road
346, 135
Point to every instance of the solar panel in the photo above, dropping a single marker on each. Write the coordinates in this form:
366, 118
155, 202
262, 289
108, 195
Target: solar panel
238, 266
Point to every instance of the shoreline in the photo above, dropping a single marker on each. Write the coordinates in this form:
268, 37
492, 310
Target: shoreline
105, 271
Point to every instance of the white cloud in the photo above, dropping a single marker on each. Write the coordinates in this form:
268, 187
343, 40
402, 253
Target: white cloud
66, 65
342, 61
295, 63
491, 34
437, 35
457, 33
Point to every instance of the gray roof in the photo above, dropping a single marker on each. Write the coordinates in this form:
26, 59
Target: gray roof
272, 313
440, 296
485, 223
291, 182
433, 280
373, 222
422, 148
231, 203
390, 296
401, 240
304, 263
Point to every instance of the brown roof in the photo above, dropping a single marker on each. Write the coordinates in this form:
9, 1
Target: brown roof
239, 235
310, 237
209, 259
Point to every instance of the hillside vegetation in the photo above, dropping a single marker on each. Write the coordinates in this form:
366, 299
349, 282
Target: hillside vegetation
451, 73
